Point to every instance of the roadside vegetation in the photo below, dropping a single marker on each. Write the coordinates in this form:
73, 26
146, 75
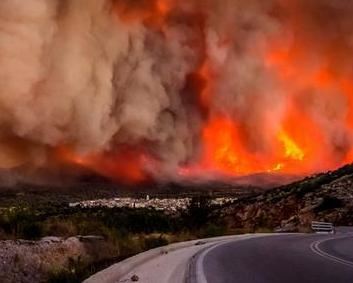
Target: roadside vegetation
126, 231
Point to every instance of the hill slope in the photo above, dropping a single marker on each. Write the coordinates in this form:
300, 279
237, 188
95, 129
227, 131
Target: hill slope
323, 197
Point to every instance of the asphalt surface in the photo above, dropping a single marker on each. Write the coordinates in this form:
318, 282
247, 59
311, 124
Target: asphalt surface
279, 259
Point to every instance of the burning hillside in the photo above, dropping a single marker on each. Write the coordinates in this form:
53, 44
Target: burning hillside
166, 89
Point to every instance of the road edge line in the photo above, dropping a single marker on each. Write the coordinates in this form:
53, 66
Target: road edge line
199, 266
315, 248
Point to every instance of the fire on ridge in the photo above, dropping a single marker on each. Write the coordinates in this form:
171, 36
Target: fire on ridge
166, 89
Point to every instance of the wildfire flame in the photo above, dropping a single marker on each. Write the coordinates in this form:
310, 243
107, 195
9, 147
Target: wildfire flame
292, 150
158, 89
223, 148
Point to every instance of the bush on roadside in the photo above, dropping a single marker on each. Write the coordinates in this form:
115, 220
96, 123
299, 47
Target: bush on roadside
32, 231
75, 272
329, 202
212, 230
155, 242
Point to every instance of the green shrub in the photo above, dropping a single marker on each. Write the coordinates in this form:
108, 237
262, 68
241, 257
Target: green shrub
63, 276
212, 230
329, 203
32, 231
155, 242
76, 272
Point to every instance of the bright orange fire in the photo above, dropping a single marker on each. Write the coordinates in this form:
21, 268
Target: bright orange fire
225, 151
222, 147
299, 144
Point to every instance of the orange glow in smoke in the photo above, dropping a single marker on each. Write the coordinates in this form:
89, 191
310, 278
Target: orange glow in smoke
125, 165
205, 74
152, 13
297, 143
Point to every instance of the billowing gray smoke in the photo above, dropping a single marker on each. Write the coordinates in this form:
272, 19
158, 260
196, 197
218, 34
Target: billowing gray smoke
94, 74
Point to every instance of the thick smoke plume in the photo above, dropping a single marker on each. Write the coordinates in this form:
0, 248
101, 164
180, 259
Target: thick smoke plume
162, 89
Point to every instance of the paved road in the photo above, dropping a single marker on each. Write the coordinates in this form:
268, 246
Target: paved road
168, 264
279, 259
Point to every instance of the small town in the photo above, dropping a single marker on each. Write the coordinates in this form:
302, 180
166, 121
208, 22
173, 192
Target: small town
168, 205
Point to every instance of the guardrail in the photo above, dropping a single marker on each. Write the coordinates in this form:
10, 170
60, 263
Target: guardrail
322, 227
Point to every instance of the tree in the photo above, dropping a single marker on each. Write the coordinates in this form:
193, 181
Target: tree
198, 213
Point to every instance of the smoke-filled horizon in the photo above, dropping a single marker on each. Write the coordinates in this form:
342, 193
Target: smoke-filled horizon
169, 89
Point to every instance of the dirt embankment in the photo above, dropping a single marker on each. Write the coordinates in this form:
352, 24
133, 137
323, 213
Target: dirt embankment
33, 261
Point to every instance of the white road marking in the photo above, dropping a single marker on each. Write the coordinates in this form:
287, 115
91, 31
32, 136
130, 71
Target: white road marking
315, 248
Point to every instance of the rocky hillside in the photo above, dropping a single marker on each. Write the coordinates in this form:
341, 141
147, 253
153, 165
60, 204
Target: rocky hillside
322, 197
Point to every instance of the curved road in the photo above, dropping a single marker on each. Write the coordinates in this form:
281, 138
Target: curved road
279, 259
